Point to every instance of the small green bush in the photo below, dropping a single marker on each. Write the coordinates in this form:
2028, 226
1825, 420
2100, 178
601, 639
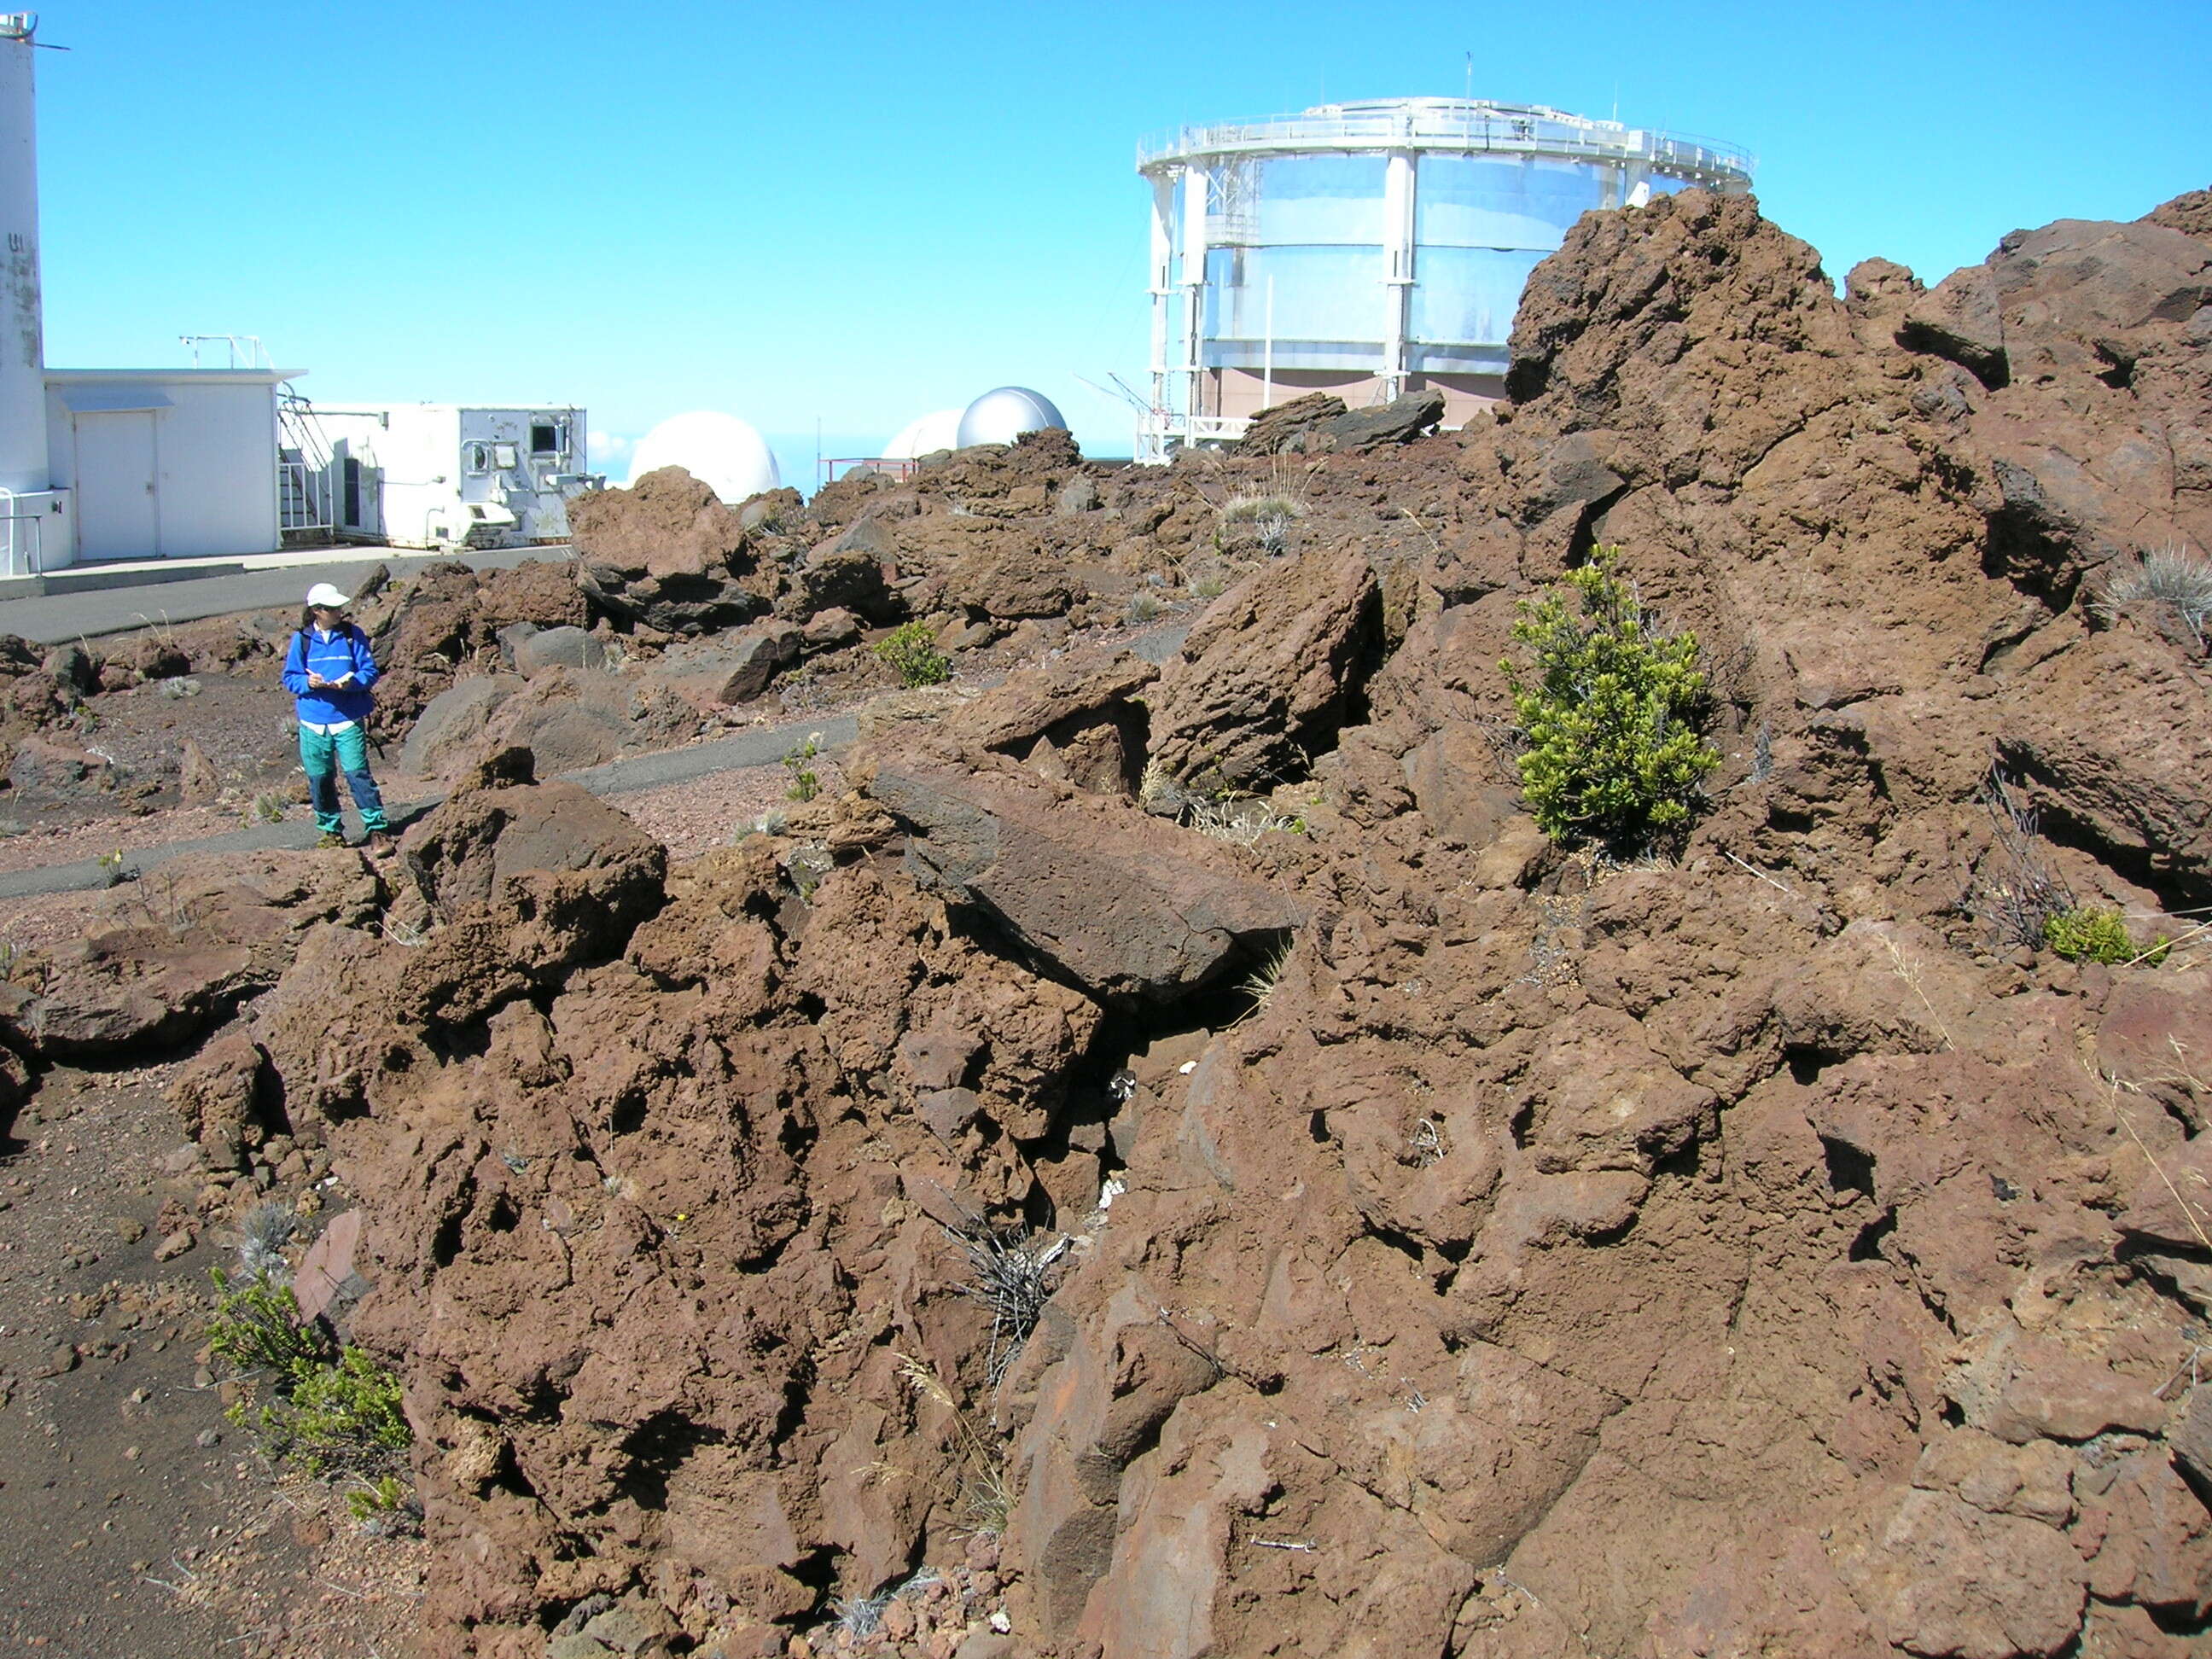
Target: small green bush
332, 1407
1611, 750
344, 1412
805, 784
913, 656
257, 1326
2085, 935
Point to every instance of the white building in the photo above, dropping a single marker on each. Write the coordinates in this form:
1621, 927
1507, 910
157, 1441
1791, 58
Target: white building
140, 464
163, 463
34, 518
111, 463
447, 474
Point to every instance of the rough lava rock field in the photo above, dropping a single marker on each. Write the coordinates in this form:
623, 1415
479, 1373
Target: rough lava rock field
1436, 1240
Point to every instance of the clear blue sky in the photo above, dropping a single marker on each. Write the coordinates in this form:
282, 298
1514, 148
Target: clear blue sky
859, 213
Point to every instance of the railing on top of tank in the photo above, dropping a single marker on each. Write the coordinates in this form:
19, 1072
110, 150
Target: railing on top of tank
1427, 128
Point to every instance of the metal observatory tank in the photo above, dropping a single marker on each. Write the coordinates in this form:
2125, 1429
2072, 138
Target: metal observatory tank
1372, 249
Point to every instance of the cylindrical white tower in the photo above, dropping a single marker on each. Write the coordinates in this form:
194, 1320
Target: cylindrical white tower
22, 333
1372, 249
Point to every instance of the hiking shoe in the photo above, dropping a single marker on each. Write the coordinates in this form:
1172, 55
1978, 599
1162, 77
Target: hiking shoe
330, 838
380, 843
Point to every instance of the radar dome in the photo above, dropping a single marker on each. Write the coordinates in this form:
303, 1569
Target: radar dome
940, 430
722, 451
1001, 416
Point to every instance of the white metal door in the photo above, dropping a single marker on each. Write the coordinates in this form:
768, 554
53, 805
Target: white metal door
118, 512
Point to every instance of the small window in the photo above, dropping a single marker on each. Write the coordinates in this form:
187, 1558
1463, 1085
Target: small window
545, 438
503, 456
478, 457
352, 491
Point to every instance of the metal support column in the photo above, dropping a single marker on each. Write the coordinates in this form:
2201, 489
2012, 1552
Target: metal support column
1196, 183
1398, 188
1163, 292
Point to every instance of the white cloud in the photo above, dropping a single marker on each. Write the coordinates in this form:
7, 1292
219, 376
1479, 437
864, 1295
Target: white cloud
608, 447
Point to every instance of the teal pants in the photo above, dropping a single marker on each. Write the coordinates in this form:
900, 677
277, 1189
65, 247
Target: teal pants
324, 754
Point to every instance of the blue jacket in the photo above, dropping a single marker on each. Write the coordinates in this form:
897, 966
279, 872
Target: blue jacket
345, 651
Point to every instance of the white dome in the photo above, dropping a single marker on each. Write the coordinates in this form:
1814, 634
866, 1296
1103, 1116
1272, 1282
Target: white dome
1002, 415
940, 430
720, 450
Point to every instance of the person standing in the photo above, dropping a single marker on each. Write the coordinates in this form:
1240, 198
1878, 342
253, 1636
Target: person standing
329, 670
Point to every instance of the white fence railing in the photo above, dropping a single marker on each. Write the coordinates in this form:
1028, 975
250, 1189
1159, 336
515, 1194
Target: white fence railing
21, 555
303, 497
1162, 432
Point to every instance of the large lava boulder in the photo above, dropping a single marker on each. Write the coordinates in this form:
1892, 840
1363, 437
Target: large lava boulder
665, 552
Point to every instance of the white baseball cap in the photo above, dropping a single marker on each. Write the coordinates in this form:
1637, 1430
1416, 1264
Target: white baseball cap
324, 593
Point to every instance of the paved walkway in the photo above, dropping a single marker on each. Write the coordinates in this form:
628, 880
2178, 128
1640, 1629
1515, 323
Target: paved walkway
761, 746
116, 599
54, 617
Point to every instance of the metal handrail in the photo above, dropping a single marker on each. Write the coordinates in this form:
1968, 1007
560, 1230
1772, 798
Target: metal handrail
38, 523
310, 487
1449, 124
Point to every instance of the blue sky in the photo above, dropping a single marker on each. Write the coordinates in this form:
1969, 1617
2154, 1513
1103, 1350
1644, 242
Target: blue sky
855, 214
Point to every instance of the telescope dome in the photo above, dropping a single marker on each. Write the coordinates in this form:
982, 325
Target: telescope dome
923, 436
1002, 415
722, 451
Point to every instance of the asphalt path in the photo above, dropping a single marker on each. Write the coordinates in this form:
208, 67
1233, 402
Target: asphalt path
89, 612
764, 745
759, 746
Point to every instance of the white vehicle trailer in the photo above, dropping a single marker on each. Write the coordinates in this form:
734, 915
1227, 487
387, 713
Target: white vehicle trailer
454, 475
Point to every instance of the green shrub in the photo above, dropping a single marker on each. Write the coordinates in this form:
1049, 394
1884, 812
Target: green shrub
2085, 935
332, 1407
1611, 751
257, 1326
344, 1412
913, 656
805, 784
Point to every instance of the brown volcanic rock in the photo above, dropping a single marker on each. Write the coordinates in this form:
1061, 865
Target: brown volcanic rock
1318, 424
2132, 785
1268, 675
1730, 1256
1077, 719
664, 552
1122, 904
2190, 213
657, 1120
2097, 444
529, 880
1284, 426
167, 956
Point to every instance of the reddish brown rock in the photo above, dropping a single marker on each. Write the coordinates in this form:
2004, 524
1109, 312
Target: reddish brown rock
664, 552
1076, 719
172, 954
1266, 678
1123, 904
